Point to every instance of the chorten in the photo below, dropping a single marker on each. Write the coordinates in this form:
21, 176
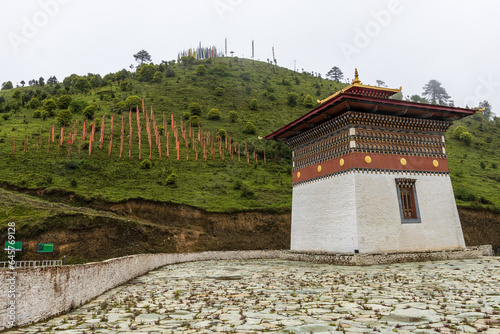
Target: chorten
370, 174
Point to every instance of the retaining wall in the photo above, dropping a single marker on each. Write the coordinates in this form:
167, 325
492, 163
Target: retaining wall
44, 292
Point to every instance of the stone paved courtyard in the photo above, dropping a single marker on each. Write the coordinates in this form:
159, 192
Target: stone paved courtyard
295, 297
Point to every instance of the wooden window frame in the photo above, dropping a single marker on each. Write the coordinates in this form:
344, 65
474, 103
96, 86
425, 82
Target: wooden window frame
408, 201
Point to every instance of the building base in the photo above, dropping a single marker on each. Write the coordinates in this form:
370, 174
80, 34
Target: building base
388, 258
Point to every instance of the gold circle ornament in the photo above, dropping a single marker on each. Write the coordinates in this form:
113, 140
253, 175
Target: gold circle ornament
319, 169
403, 161
341, 162
368, 159
435, 163
298, 175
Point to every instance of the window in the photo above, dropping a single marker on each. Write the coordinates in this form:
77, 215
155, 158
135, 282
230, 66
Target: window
408, 202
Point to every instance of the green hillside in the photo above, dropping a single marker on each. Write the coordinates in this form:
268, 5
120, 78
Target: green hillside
226, 84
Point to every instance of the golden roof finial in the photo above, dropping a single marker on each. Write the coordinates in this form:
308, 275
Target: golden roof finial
356, 77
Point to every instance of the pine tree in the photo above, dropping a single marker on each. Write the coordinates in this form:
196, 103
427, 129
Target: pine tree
335, 74
435, 93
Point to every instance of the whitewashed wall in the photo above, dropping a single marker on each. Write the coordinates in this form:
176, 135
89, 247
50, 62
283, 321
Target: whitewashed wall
379, 219
324, 215
361, 211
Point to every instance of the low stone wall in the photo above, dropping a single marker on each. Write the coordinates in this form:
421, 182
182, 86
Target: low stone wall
44, 292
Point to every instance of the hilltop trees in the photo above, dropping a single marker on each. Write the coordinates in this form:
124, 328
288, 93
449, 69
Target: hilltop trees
335, 74
52, 80
487, 113
7, 85
435, 93
142, 56
418, 98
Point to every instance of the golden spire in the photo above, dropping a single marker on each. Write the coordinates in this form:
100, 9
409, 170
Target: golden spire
356, 77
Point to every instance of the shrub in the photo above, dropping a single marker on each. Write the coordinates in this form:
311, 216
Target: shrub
133, 101
171, 179
146, 164
126, 85
254, 104
195, 120
77, 107
64, 102
201, 70
34, 103
464, 195
74, 183
249, 128
5, 116
170, 73
195, 108
482, 165
247, 192
97, 123
146, 72
219, 91
309, 101
291, 99
158, 77
233, 116
458, 131
222, 133
89, 112
245, 76
214, 114
49, 105
64, 117
466, 137
186, 115
37, 114
237, 185
44, 114
272, 97
220, 70
120, 106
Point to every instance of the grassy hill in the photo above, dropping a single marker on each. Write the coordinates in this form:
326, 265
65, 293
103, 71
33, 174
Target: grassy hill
227, 84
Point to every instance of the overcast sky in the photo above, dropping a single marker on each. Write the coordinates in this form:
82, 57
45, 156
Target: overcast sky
404, 43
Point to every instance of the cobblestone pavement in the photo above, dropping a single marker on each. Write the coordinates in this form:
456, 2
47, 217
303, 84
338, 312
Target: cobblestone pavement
295, 297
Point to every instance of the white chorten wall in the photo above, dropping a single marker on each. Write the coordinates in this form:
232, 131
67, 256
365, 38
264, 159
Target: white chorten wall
324, 215
360, 211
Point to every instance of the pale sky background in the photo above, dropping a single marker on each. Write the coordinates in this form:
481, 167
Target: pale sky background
404, 43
